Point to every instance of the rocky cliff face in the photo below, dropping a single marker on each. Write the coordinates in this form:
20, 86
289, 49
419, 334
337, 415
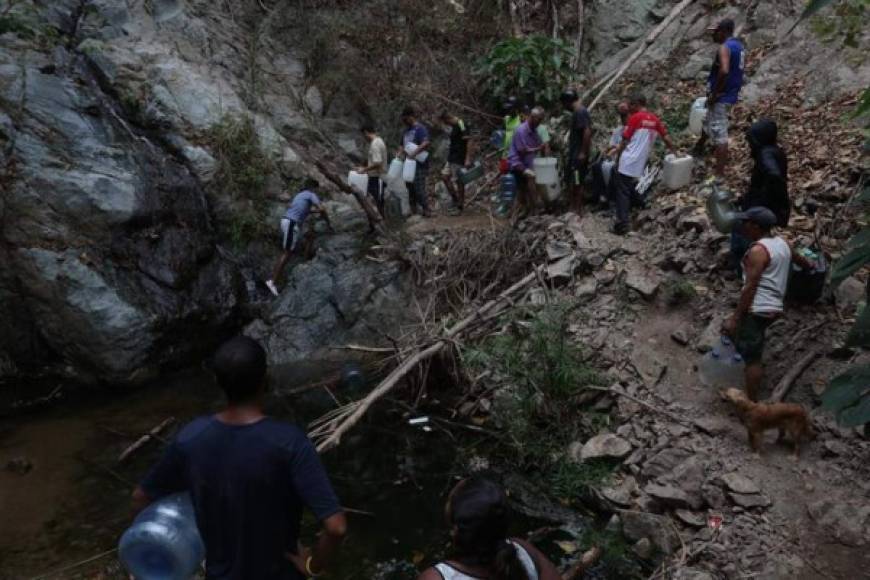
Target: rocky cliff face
112, 263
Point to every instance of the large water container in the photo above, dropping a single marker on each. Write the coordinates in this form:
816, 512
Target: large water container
411, 147
545, 171
723, 366
163, 543
394, 173
508, 191
409, 170
358, 180
697, 115
607, 170
677, 171
721, 209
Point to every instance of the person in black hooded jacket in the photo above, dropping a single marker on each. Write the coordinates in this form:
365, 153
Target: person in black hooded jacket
768, 186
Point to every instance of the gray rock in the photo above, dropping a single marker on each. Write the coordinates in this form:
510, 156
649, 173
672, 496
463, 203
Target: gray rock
658, 529
691, 574
649, 364
668, 495
665, 461
680, 337
689, 518
711, 335
849, 523
740, 484
834, 448
749, 501
849, 293
605, 445
621, 494
587, 287
643, 548
644, 281
562, 269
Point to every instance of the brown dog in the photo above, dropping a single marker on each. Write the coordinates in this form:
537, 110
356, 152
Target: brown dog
759, 417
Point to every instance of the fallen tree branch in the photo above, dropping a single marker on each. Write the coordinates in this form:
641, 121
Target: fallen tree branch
376, 222
641, 49
651, 407
792, 375
336, 423
144, 439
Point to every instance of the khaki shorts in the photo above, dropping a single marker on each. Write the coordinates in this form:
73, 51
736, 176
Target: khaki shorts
716, 123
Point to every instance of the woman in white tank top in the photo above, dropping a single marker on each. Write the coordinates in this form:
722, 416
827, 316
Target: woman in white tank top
477, 513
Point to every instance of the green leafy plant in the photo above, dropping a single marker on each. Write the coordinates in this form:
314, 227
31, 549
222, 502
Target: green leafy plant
679, 291
535, 66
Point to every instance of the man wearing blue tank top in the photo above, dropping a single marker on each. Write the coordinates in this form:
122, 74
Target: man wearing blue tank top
723, 89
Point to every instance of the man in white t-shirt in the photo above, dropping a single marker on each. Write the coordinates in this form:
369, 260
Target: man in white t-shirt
638, 139
376, 166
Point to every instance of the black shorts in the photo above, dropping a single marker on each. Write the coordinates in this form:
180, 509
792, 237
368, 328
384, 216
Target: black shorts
577, 171
376, 188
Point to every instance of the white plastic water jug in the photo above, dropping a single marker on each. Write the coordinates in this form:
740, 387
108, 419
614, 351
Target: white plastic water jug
394, 173
409, 170
358, 180
722, 367
607, 170
163, 543
677, 171
545, 171
697, 115
411, 147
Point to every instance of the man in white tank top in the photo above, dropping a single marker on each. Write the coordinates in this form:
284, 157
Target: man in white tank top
766, 267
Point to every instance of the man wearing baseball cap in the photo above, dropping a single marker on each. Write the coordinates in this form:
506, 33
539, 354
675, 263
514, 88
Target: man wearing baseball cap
723, 88
766, 268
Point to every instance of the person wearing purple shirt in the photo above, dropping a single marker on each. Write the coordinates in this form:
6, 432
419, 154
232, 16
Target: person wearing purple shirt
524, 148
417, 134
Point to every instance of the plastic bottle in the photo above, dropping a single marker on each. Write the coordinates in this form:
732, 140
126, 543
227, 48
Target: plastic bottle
508, 190
720, 209
723, 366
697, 115
163, 543
394, 173
677, 171
409, 170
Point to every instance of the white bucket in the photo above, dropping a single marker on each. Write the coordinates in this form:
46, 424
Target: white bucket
394, 173
409, 170
677, 171
697, 116
358, 180
545, 171
411, 147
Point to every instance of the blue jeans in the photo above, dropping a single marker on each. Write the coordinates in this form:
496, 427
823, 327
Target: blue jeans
740, 244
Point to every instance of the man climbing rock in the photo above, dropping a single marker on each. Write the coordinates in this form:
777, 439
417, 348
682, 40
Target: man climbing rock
417, 136
376, 166
768, 185
579, 143
723, 89
249, 477
641, 131
524, 148
766, 267
459, 156
304, 202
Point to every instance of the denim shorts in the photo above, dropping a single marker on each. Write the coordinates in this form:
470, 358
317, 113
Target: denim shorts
716, 123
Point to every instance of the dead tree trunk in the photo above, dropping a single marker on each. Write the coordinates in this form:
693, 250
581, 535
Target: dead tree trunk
375, 220
578, 40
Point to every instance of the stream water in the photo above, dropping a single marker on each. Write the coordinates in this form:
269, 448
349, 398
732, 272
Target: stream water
73, 503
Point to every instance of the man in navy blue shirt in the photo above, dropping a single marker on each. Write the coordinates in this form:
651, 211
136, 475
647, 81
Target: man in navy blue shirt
249, 477
416, 139
723, 89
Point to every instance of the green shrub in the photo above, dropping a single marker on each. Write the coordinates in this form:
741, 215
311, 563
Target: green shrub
535, 66
679, 291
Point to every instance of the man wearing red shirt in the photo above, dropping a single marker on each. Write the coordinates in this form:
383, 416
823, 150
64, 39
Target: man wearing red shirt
639, 136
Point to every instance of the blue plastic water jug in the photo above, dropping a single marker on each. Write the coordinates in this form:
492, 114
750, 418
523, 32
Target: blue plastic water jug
163, 543
508, 193
722, 367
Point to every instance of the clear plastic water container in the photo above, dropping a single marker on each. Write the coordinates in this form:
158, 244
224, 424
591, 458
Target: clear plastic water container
409, 171
545, 171
394, 173
163, 543
677, 171
410, 148
697, 114
723, 366
359, 181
